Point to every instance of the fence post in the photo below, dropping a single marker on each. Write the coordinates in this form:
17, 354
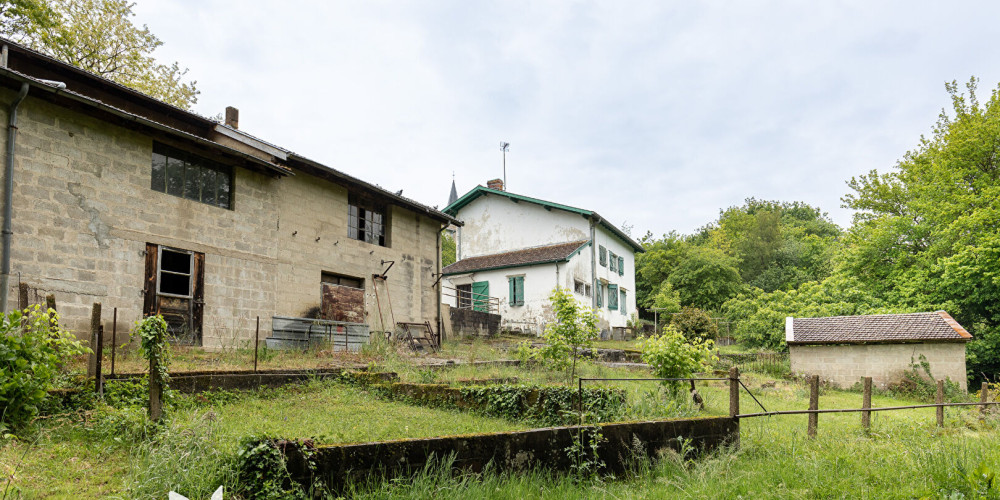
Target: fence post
984, 394
939, 399
813, 405
95, 348
114, 339
734, 392
256, 343
866, 402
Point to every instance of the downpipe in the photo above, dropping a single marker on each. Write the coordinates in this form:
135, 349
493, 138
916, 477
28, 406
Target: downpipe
8, 197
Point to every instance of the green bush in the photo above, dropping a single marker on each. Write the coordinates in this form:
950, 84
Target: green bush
553, 405
574, 330
672, 356
32, 349
695, 323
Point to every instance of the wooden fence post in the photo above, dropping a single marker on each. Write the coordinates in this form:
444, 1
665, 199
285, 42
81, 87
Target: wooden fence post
939, 399
984, 395
155, 391
866, 402
813, 405
734, 392
22, 296
95, 348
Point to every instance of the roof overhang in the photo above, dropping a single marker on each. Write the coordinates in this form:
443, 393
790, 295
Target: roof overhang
480, 191
71, 99
317, 169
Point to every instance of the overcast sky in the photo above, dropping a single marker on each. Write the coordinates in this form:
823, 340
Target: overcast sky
654, 114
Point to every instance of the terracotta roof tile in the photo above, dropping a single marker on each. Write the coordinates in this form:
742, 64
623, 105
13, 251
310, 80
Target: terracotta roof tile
525, 257
878, 328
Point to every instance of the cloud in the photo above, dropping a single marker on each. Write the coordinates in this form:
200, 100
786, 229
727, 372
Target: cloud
655, 113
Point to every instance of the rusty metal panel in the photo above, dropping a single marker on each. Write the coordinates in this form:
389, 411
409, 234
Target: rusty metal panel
343, 303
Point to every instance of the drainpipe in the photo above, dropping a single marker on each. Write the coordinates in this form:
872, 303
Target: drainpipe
8, 196
593, 263
440, 321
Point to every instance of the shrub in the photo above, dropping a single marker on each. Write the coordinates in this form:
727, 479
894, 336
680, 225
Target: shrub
695, 323
32, 349
672, 356
575, 329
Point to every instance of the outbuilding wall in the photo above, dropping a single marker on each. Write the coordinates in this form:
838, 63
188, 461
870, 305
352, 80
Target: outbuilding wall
845, 365
84, 212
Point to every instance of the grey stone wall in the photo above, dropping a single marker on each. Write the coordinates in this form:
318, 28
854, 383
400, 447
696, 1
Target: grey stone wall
84, 211
467, 323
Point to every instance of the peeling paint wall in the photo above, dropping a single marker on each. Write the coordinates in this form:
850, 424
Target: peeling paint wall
495, 224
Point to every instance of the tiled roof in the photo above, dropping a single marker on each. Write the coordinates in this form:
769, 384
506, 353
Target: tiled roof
935, 326
526, 257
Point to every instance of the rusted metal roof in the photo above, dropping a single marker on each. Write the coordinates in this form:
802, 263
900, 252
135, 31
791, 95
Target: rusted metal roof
937, 326
526, 257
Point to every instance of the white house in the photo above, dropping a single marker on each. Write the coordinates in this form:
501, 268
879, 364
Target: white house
517, 249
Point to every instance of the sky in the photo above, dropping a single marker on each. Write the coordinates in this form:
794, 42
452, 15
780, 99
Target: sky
654, 114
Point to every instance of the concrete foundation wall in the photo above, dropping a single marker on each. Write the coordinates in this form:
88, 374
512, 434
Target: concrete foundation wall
466, 323
844, 365
620, 445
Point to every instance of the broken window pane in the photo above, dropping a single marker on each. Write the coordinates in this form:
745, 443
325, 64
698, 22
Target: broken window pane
366, 222
175, 272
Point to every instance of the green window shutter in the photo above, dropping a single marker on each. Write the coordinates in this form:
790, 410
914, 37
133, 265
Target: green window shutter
511, 289
600, 294
481, 296
612, 297
621, 307
621, 266
519, 288
604, 256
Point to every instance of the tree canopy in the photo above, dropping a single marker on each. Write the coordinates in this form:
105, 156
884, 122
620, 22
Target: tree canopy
98, 36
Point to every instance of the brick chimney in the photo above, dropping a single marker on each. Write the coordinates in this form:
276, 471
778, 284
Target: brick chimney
232, 117
495, 184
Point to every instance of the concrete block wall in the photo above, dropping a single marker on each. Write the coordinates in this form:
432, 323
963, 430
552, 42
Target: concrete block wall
312, 208
844, 365
84, 211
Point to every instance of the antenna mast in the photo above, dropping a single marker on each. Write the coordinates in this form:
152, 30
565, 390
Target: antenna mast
503, 147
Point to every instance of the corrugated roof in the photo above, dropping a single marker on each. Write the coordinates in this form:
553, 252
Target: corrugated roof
526, 257
453, 208
936, 326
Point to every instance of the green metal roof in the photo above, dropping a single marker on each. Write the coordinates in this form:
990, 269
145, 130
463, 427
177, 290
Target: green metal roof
478, 191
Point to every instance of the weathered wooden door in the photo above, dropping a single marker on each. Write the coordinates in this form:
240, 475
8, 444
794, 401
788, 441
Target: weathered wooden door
175, 282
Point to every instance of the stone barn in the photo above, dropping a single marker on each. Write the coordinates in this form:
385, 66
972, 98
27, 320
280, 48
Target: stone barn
843, 349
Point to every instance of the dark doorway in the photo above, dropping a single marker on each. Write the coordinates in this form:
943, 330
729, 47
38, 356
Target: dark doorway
174, 289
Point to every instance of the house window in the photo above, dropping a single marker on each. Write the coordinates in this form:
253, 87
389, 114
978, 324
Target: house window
366, 221
600, 294
182, 174
604, 255
516, 285
612, 297
578, 287
464, 296
586, 290
174, 278
622, 303
614, 262
336, 279
621, 265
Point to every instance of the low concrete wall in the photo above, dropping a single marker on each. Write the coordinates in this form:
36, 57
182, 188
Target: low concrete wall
195, 382
844, 365
466, 322
620, 446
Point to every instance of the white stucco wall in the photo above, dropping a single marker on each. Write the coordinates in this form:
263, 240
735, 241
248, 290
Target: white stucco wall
495, 224
844, 365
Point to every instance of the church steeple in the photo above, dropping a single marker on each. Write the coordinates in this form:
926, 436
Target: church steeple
454, 192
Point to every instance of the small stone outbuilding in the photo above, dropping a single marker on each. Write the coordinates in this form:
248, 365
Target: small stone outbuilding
843, 349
